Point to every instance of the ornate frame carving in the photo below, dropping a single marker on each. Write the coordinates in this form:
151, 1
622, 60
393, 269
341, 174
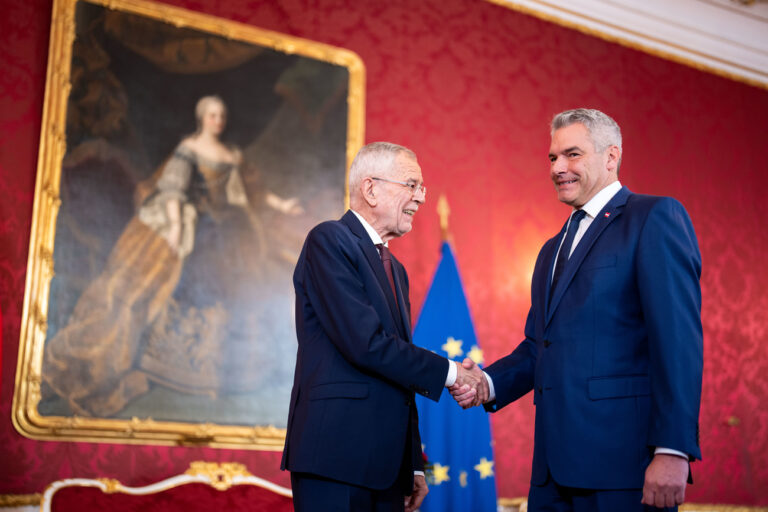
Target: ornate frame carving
219, 476
47, 202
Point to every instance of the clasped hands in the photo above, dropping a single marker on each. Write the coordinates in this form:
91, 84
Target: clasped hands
471, 386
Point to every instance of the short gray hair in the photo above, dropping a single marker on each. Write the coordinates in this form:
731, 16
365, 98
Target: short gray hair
374, 159
602, 129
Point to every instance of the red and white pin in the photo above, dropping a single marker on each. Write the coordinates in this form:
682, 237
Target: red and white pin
607, 214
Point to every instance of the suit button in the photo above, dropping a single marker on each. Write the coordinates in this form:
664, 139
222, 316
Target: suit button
541, 390
426, 393
408, 403
547, 343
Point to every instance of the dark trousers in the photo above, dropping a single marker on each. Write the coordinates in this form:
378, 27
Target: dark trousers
312, 493
553, 497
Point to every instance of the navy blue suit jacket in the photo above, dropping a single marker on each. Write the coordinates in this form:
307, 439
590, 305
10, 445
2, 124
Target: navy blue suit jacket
614, 358
352, 414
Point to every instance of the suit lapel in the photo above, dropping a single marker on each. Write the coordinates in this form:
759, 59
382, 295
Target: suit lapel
544, 285
374, 260
608, 214
550, 259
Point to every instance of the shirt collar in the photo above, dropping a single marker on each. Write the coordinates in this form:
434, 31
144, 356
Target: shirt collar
598, 202
375, 238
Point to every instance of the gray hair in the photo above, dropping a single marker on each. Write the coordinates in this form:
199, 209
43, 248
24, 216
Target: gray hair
602, 129
202, 106
375, 159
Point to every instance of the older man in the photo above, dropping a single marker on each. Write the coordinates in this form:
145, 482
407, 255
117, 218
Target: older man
613, 340
353, 440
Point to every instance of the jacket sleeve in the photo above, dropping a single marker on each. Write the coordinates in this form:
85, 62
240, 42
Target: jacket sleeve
513, 375
668, 273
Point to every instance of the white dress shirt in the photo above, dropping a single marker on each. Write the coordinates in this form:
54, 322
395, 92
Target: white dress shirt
592, 209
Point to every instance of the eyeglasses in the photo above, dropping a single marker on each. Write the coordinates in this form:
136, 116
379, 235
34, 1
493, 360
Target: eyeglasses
415, 187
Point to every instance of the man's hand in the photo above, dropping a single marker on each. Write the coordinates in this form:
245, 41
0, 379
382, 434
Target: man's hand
665, 481
471, 387
420, 490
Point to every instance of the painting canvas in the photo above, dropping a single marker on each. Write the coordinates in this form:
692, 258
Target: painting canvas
196, 154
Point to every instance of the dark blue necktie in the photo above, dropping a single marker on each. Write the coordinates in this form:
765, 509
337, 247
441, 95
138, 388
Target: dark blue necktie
565, 248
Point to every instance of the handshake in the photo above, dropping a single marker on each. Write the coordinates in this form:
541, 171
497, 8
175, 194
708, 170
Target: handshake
471, 386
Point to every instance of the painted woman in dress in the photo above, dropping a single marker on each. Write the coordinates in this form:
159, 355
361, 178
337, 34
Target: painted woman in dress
174, 304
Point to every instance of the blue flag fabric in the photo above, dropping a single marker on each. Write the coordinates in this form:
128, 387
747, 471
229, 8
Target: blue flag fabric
457, 443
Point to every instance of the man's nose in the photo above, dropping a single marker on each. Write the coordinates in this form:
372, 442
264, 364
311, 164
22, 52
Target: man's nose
558, 166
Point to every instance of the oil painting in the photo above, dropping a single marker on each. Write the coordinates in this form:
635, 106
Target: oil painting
196, 154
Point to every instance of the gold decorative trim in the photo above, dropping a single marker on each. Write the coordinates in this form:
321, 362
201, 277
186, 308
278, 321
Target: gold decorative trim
110, 485
20, 500
521, 505
25, 416
220, 476
512, 502
612, 38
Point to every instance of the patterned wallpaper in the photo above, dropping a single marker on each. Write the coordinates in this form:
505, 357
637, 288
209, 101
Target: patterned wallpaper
470, 87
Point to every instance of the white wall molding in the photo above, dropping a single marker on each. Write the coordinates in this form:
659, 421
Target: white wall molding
725, 37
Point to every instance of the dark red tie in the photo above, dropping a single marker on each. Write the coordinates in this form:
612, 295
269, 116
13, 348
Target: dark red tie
386, 259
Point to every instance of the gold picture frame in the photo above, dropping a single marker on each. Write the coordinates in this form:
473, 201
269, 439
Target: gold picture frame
87, 117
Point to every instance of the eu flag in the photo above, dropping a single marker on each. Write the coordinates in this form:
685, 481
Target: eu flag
457, 443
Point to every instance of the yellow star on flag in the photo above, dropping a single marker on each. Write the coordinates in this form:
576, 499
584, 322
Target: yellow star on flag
476, 355
463, 478
485, 468
452, 347
440, 473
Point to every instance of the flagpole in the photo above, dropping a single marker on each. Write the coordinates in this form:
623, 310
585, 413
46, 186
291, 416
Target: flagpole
444, 211
458, 443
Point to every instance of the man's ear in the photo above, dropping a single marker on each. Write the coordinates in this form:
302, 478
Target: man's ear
613, 158
366, 189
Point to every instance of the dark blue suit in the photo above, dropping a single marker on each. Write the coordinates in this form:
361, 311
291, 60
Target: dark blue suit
614, 357
352, 415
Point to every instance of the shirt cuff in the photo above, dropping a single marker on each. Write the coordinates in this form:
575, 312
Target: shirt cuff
450, 380
491, 391
418, 473
670, 451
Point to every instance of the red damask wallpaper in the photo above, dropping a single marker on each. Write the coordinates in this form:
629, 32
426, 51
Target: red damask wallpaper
470, 86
